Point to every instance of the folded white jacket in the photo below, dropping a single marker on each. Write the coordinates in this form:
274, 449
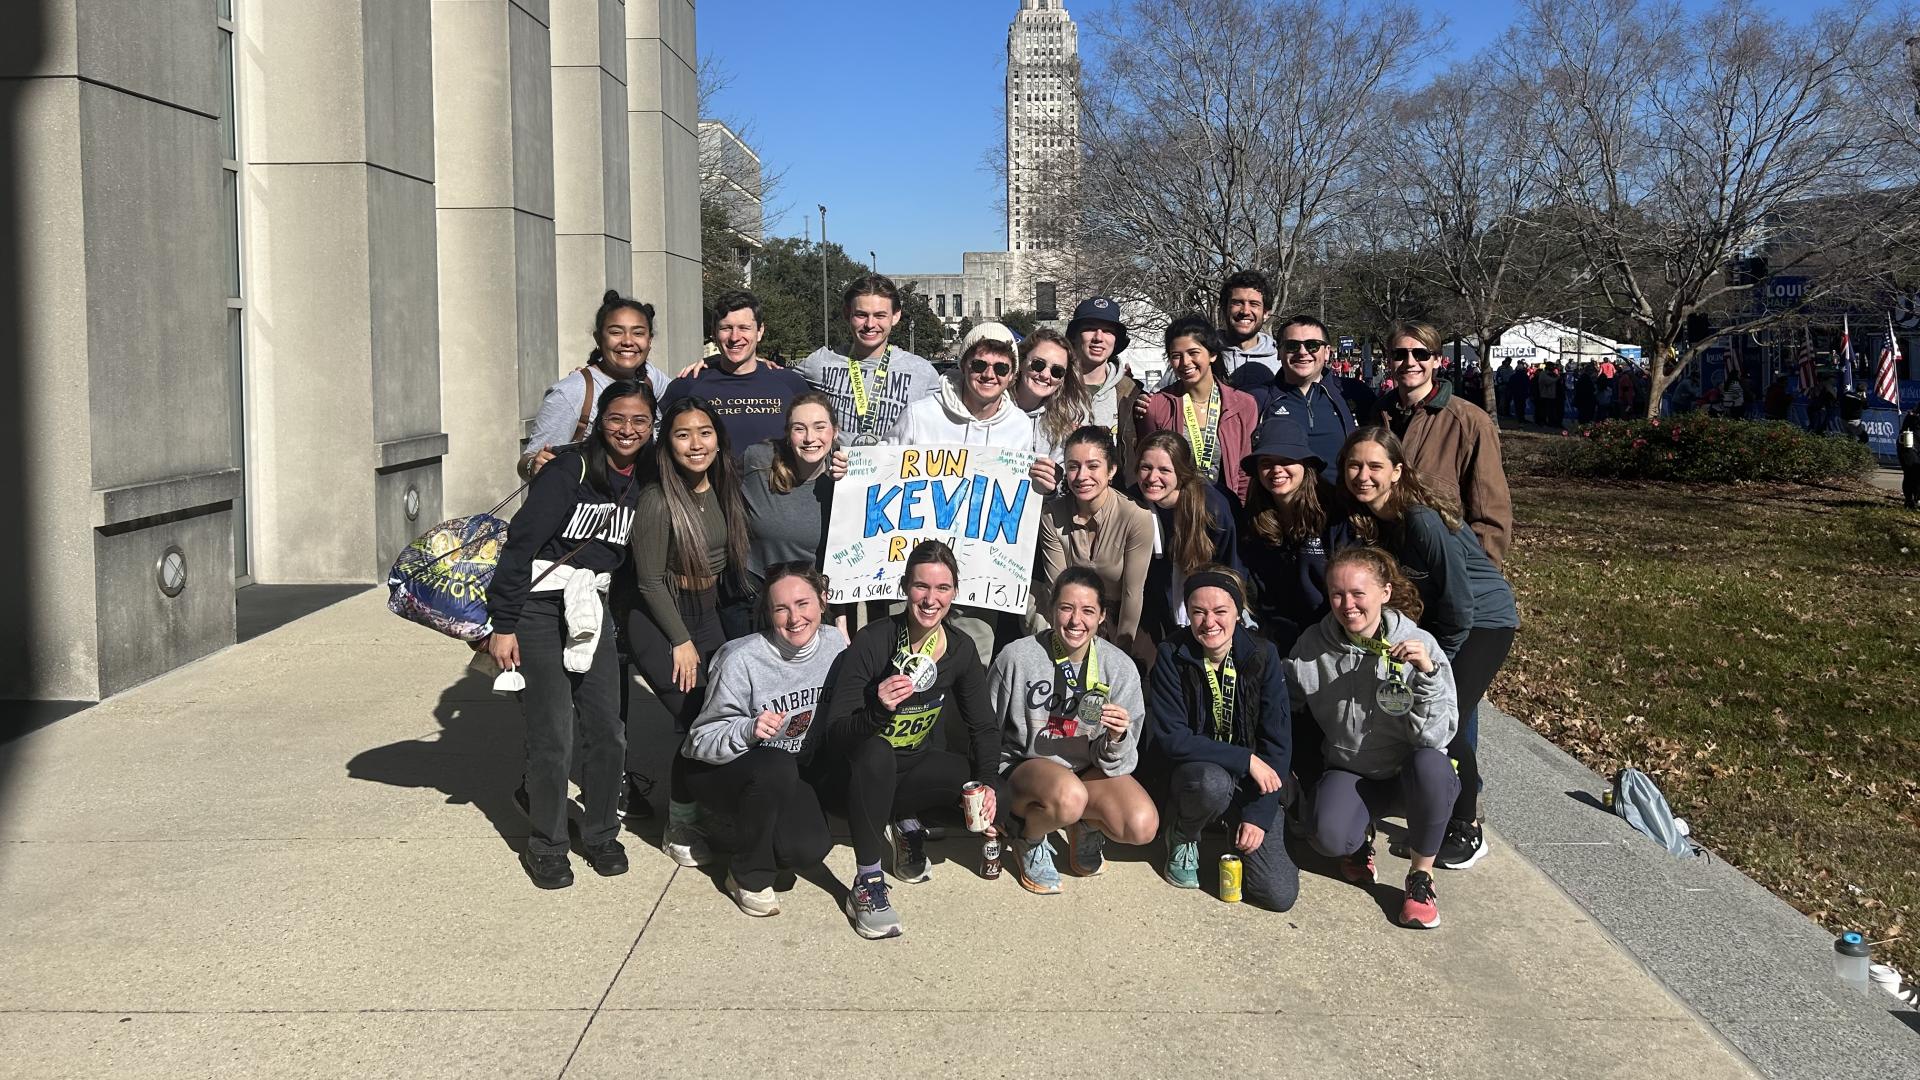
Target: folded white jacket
581, 599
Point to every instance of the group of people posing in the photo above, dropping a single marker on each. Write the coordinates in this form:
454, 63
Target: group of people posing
1252, 610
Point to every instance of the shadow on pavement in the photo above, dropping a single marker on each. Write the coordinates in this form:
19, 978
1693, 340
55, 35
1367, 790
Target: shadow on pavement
476, 758
260, 608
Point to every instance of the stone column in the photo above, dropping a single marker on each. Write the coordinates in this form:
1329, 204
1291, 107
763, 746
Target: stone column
114, 385
493, 143
663, 146
343, 320
592, 215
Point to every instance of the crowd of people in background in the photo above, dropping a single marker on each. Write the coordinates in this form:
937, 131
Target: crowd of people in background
1266, 601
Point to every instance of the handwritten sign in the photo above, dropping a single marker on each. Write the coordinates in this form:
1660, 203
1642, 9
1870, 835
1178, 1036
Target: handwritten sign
976, 499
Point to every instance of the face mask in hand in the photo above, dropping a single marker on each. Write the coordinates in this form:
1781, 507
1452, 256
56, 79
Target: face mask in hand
509, 682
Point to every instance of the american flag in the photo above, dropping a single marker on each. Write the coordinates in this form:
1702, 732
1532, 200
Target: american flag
1886, 382
1806, 365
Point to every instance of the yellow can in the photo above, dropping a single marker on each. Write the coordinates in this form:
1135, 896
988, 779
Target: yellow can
1230, 878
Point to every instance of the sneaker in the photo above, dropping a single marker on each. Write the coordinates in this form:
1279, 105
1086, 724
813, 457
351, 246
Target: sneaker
758, 903
873, 917
686, 845
547, 871
1037, 874
1465, 845
1084, 846
633, 798
1419, 910
1183, 861
908, 848
608, 859
1358, 867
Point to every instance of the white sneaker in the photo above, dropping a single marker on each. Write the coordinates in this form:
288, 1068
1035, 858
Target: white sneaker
758, 904
686, 845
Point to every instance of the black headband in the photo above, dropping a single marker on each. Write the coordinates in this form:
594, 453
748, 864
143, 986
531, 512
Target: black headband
1216, 579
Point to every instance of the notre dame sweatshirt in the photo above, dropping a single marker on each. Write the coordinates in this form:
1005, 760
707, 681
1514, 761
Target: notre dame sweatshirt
562, 510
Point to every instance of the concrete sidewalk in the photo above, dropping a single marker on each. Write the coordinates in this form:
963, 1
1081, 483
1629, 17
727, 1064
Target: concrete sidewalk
295, 858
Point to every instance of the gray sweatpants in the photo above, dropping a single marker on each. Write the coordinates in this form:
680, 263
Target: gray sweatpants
1345, 803
1203, 791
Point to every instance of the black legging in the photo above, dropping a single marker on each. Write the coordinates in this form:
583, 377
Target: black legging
777, 818
653, 655
883, 784
1474, 667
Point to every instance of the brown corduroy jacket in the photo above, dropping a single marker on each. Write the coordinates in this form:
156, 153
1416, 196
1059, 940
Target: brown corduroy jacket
1455, 447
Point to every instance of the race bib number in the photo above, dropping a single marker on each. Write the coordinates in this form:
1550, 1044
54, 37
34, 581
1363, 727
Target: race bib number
909, 729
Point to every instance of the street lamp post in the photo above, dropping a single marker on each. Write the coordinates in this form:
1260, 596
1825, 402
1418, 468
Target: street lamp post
873, 261
824, 338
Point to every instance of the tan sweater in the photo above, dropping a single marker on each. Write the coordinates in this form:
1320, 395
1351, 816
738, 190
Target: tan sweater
1117, 543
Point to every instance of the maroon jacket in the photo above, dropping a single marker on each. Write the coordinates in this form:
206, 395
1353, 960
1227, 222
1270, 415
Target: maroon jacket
1239, 417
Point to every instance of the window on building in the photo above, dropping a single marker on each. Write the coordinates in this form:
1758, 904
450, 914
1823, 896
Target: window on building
957, 306
996, 307
940, 304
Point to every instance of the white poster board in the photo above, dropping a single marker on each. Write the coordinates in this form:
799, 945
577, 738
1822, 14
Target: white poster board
977, 499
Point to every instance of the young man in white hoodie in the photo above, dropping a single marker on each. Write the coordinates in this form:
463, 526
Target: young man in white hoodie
972, 408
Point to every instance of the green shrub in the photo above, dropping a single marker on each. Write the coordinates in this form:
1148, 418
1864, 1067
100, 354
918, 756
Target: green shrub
1705, 449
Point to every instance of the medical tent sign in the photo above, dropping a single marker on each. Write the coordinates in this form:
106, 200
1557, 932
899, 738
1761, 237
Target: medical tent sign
977, 499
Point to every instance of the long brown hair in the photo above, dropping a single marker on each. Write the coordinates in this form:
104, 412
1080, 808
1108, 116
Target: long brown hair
687, 547
1302, 514
1071, 405
1190, 546
783, 475
1386, 569
1407, 491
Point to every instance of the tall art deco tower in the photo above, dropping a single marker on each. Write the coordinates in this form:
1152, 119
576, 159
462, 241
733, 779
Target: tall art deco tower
1043, 136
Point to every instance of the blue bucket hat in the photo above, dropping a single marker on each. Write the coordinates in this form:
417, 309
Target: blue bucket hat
1282, 437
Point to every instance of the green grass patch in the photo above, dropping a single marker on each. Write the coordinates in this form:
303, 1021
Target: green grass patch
1756, 648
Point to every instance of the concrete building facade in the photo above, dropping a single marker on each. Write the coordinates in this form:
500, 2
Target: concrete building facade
1043, 133
287, 281
730, 181
982, 290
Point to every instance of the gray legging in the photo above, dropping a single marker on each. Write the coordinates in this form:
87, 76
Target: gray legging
1203, 791
1346, 803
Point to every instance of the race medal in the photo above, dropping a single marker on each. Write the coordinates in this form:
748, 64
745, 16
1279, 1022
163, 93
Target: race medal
866, 438
922, 670
1394, 697
1088, 714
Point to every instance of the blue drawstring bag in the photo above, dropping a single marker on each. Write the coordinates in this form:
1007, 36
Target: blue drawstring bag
1638, 799
440, 580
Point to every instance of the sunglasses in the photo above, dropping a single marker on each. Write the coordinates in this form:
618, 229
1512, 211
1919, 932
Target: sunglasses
1417, 354
1057, 370
1311, 345
1000, 368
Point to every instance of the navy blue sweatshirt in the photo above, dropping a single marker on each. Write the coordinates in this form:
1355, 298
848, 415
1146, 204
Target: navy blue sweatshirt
561, 511
1165, 587
752, 407
1320, 412
1179, 706
1289, 584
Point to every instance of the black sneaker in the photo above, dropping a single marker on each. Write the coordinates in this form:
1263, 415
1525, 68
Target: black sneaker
547, 871
1465, 845
633, 797
608, 859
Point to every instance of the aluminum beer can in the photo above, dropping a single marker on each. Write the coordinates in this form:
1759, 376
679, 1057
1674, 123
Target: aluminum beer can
990, 858
1230, 878
973, 806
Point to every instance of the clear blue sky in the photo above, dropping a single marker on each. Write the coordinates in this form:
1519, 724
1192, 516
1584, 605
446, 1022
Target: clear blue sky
886, 112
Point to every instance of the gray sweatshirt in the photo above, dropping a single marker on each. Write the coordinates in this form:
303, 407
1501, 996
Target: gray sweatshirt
559, 414
1335, 680
1038, 714
909, 378
756, 674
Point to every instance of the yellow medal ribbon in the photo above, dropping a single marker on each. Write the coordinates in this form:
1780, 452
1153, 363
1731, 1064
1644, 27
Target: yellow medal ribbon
1220, 693
858, 378
1382, 648
1201, 439
1089, 675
